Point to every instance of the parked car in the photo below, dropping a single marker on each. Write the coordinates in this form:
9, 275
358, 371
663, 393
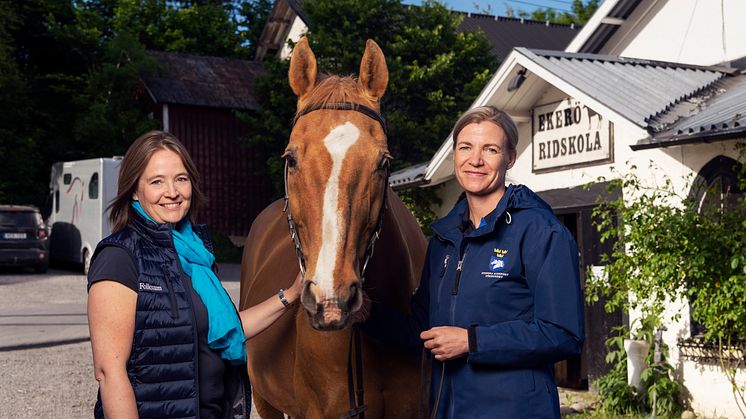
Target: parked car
23, 238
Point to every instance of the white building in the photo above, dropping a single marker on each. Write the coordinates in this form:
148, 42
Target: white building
677, 98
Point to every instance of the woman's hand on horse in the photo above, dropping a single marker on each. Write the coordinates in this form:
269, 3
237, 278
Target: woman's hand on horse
293, 293
446, 342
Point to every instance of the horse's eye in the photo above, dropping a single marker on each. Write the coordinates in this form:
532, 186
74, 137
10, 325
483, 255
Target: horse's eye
290, 159
384, 163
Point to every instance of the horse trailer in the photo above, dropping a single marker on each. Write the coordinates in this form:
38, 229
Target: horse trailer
80, 193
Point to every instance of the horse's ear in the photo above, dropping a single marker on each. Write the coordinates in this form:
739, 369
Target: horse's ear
302, 74
374, 75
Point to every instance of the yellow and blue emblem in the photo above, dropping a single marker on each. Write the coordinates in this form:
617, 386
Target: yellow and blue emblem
497, 261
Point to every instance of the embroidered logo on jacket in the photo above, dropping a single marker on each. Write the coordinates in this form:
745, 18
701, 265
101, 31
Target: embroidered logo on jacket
497, 264
144, 286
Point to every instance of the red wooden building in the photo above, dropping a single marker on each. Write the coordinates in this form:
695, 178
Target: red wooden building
196, 99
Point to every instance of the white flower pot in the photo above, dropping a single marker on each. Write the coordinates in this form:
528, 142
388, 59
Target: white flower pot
636, 352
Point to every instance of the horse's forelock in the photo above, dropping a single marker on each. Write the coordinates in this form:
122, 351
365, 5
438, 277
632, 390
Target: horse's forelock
335, 89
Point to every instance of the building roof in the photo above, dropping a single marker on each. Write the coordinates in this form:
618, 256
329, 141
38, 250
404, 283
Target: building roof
408, 177
673, 102
504, 33
718, 113
637, 89
604, 23
203, 81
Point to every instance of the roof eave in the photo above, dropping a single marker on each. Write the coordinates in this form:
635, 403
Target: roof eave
683, 139
603, 11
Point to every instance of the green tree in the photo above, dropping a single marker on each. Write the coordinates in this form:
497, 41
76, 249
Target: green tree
435, 72
70, 74
43, 45
114, 100
252, 17
580, 14
17, 145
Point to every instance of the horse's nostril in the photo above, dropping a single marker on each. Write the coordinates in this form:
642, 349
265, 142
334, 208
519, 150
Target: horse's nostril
307, 298
354, 299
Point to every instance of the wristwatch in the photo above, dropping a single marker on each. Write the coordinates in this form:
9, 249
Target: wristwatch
285, 302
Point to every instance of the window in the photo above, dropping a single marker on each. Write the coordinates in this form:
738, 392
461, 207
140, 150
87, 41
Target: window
67, 178
715, 191
93, 186
716, 186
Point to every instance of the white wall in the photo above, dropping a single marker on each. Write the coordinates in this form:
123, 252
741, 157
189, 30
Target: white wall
703, 32
297, 29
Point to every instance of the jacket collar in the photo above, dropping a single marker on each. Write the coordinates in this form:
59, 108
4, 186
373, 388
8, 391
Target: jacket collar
160, 233
163, 233
451, 228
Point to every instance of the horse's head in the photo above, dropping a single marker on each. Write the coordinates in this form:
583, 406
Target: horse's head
337, 167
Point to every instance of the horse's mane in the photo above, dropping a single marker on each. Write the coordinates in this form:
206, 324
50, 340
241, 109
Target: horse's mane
334, 89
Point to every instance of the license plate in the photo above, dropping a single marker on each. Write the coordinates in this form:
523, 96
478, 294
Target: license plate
15, 235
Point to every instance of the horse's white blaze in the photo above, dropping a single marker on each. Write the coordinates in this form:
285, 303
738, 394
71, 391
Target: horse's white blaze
337, 142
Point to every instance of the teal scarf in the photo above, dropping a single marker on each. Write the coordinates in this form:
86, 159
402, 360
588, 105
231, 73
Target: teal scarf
225, 333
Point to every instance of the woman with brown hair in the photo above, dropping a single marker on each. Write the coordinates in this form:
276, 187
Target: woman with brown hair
166, 339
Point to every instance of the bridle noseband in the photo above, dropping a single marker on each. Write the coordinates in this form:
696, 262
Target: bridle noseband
370, 113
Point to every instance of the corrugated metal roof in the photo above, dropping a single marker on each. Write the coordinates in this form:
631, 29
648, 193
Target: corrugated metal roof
203, 81
720, 112
504, 33
637, 89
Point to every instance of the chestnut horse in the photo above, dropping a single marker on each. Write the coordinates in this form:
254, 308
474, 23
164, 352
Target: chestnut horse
337, 197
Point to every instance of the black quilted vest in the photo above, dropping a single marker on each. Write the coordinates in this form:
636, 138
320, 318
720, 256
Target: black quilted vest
163, 362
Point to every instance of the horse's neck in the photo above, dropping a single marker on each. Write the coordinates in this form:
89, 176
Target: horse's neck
395, 267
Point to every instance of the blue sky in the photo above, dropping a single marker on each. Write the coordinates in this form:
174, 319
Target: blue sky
498, 6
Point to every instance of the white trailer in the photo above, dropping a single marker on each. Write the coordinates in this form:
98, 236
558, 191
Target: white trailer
81, 192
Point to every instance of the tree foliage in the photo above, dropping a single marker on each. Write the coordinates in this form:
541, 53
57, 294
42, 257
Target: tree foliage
580, 14
70, 74
668, 247
435, 72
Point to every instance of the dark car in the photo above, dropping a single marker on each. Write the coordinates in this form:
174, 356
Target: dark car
23, 238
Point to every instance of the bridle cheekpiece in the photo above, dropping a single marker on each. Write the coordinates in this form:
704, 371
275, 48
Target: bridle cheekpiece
370, 113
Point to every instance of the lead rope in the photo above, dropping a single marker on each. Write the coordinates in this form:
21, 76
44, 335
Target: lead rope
440, 391
357, 404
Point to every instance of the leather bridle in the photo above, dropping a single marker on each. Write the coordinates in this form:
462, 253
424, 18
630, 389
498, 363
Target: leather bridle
355, 393
344, 106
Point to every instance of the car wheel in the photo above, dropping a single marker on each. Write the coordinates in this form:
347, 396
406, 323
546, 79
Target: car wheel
86, 261
41, 268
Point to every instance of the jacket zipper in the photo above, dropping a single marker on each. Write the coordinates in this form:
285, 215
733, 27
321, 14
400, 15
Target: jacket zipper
454, 294
195, 335
457, 280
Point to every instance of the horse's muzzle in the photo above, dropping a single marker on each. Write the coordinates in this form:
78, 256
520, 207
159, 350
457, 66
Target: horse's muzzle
331, 312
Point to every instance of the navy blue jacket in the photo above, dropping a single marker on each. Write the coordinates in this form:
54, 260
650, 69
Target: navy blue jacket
163, 363
514, 285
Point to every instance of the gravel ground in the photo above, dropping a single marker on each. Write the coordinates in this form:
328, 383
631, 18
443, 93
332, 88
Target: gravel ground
50, 382
57, 381
54, 382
